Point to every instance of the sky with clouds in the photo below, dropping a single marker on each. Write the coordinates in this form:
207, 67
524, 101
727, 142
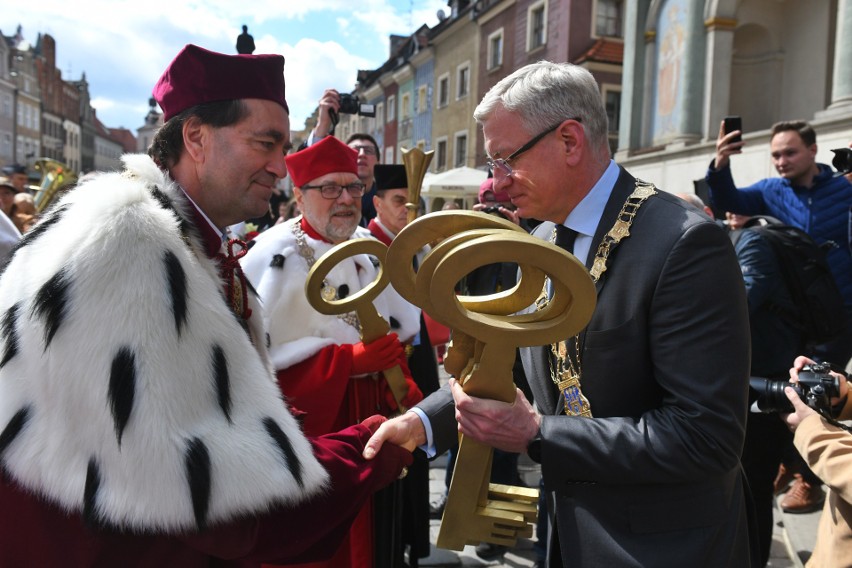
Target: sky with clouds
123, 46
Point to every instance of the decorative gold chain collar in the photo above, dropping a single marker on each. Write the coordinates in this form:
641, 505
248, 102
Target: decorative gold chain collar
329, 292
621, 229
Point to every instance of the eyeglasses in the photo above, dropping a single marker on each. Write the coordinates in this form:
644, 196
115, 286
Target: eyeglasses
368, 150
501, 165
333, 190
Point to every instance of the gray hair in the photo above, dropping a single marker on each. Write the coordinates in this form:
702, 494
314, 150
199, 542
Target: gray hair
544, 93
692, 199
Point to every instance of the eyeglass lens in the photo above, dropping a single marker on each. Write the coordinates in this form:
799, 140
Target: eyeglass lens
333, 191
368, 150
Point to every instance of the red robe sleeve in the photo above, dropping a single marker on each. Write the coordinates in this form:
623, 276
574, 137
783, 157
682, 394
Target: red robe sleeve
34, 532
317, 386
313, 530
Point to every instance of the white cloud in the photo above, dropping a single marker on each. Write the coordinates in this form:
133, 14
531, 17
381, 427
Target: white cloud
312, 67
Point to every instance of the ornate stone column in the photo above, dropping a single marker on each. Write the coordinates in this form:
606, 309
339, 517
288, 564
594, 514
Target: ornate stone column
717, 74
841, 90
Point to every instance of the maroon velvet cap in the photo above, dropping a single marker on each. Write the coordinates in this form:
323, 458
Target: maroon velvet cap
197, 76
329, 155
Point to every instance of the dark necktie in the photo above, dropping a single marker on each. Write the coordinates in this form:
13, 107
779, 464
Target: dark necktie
565, 238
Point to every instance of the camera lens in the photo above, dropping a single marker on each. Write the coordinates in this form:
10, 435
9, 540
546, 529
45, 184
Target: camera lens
770, 395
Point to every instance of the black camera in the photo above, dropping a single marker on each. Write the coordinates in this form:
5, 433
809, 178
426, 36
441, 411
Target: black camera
350, 104
493, 210
842, 161
816, 388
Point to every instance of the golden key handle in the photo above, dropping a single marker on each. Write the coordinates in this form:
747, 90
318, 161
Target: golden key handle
430, 229
373, 325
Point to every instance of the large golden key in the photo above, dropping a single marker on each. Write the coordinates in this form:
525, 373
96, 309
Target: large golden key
373, 325
487, 335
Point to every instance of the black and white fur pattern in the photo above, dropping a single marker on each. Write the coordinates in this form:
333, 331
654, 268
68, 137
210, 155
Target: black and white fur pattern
129, 392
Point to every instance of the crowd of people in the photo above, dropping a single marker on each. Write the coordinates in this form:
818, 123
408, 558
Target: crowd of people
169, 394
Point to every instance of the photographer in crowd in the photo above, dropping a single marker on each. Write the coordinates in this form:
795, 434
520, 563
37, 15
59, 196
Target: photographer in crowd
827, 447
364, 144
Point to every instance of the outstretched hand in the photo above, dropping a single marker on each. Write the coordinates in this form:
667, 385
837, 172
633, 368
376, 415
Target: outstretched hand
406, 431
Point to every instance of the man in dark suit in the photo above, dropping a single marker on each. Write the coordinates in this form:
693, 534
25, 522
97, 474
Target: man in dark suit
653, 477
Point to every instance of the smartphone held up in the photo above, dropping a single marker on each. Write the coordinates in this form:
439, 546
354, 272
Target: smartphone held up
734, 123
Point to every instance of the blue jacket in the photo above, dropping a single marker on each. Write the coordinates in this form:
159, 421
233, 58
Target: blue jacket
824, 211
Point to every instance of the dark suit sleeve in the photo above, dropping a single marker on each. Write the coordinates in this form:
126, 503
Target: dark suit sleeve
440, 409
683, 348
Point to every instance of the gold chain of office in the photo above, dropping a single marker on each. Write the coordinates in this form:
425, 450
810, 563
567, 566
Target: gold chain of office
566, 370
329, 292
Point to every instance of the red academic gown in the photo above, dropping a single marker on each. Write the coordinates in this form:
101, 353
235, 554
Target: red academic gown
321, 388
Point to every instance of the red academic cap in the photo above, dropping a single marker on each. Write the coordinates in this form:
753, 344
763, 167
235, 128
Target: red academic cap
329, 155
197, 76
499, 196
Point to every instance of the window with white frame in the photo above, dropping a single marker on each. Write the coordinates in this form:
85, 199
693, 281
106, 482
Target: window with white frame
463, 80
495, 49
608, 18
612, 103
536, 25
380, 115
391, 110
405, 108
461, 149
441, 154
443, 90
422, 93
